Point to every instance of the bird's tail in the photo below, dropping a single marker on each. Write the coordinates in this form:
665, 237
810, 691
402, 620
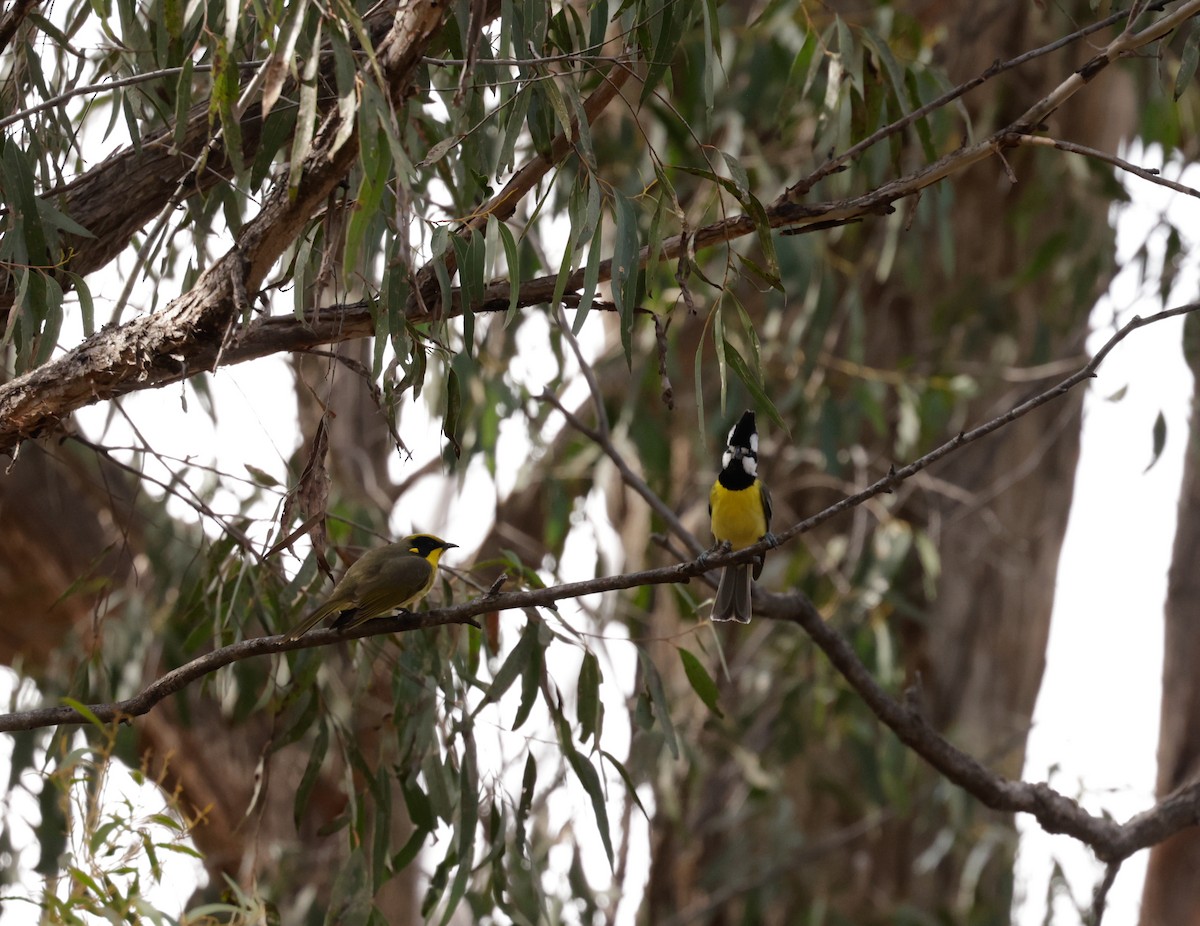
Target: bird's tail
733, 595
313, 619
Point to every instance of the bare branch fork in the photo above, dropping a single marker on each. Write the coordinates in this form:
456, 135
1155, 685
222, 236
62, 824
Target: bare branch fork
1056, 813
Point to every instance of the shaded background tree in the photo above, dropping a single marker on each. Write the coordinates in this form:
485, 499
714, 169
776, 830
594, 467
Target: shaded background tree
386, 172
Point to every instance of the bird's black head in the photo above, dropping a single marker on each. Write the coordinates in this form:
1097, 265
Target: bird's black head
744, 434
424, 544
739, 464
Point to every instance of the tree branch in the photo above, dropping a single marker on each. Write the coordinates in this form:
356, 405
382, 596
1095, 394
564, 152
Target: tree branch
786, 213
1151, 175
12, 19
834, 164
164, 346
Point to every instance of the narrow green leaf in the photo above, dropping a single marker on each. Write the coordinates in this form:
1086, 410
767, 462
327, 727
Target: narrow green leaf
226, 85
583, 132
439, 243
565, 269
624, 270
558, 106
84, 711
183, 100
350, 899
512, 667
850, 53
18, 183
712, 52
52, 319
750, 333
311, 772
450, 422
513, 258
410, 850
701, 682
468, 808
587, 708
437, 786
419, 809
51, 218
518, 112
752, 382
306, 118
440, 150
1188, 59
531, 679
528, 784
719, 342
1160, 440
279, 63
799, 78
658, 698
591, 277
591, 784
345, 69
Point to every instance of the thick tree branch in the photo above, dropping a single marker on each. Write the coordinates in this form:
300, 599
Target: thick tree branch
159, 347
12, 19
119, 196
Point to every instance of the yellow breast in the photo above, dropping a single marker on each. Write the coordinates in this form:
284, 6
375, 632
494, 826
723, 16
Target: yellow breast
737, 516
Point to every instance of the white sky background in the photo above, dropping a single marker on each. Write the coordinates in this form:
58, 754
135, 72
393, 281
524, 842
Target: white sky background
1095, 728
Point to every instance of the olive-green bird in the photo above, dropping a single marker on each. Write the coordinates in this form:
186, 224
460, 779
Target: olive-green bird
380, 581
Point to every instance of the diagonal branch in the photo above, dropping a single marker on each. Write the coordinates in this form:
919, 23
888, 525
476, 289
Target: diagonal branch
12, 19
156, 348
1151, 175
785, 213
116, 198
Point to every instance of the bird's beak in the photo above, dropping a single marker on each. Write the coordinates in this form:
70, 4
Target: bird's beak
448, 546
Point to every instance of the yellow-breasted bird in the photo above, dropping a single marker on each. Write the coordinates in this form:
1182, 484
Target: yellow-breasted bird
740, 508
380, 581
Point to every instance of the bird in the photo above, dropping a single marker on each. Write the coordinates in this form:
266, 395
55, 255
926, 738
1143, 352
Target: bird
386, 579
739, 507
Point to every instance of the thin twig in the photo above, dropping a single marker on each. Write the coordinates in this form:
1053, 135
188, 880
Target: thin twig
1153, 176
835, 164
115, 84
628, 476
589, 375
1100, 895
